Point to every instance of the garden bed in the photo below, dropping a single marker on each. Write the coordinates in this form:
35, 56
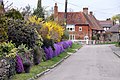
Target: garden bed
45, 65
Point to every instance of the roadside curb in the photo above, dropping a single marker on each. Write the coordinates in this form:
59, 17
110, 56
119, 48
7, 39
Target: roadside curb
52, 67
116, 54
49, 69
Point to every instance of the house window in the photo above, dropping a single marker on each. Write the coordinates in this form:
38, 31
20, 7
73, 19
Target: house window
105, 28
71, 37
80, 28
70, 27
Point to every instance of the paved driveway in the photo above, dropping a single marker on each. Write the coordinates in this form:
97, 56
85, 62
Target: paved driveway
91, 62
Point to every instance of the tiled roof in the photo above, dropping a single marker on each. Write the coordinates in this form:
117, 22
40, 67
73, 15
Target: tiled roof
106, 23
114, 28
96, 22
93, 22
72, 17
80, 18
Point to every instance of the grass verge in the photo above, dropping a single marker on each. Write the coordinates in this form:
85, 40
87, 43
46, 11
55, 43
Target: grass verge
117, 44
45, 65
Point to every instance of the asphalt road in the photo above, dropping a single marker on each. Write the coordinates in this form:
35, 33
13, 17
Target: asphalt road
91, 62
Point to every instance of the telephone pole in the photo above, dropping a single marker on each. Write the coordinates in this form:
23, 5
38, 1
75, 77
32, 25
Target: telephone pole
66, 2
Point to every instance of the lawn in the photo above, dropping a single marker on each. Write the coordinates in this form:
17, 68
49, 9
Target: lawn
45, 65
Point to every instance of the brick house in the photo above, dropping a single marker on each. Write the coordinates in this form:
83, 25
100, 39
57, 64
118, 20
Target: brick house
80, 25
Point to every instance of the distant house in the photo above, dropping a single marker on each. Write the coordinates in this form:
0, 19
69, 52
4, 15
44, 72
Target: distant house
81, 25
106, 24
114, 33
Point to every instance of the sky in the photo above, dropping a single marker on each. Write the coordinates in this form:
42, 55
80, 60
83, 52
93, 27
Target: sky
102, 9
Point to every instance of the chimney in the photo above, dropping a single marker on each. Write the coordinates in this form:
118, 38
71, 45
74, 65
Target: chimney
85, 10
1, 7
56, 12
91, 13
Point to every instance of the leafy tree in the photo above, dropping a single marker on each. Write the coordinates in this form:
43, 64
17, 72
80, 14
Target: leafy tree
26, 11
116, 18
39, 12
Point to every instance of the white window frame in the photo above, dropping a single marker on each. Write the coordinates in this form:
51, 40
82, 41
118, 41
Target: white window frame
71, 36
80, 28
70, 27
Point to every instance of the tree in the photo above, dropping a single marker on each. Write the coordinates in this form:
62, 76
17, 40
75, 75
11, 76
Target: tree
39, 12
116, 18
26, 11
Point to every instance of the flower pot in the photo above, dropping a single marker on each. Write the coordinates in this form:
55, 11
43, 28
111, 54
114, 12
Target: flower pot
26, 66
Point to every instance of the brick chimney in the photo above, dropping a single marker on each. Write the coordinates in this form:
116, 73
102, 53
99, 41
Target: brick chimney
85, 10
56, 12
1, 7
91, 13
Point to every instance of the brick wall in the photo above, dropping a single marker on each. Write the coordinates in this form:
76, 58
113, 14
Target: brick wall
79, 35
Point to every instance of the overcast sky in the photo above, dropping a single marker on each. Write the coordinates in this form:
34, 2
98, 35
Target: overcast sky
102, 9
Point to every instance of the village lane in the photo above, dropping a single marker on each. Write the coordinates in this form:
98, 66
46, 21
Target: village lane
91, 62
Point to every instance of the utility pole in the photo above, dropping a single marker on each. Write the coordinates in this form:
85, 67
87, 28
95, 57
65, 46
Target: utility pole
66, 2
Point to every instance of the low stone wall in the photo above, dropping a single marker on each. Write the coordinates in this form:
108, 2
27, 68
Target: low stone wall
7, 69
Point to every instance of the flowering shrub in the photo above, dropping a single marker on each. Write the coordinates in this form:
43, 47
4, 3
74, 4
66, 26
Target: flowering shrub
59, 47
66, 44
35, 20
52, 30
19, 65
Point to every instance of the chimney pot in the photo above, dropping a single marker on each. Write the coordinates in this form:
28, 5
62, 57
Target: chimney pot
56, 12
91, 13
55, 4
85, 10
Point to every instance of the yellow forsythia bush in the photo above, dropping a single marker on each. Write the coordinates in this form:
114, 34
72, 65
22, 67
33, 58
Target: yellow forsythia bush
35, 20
52, 30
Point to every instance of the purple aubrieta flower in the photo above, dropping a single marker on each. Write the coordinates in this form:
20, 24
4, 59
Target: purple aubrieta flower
59, 47
19, 64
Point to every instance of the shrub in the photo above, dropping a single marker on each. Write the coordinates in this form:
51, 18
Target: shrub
25, 53
38, 55
52, 30
14, 14
3, 29
7, 50
19, 32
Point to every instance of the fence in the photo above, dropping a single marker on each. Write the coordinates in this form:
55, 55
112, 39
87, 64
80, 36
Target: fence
88, 42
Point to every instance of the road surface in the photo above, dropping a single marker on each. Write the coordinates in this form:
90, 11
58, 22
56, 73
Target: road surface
91, 62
